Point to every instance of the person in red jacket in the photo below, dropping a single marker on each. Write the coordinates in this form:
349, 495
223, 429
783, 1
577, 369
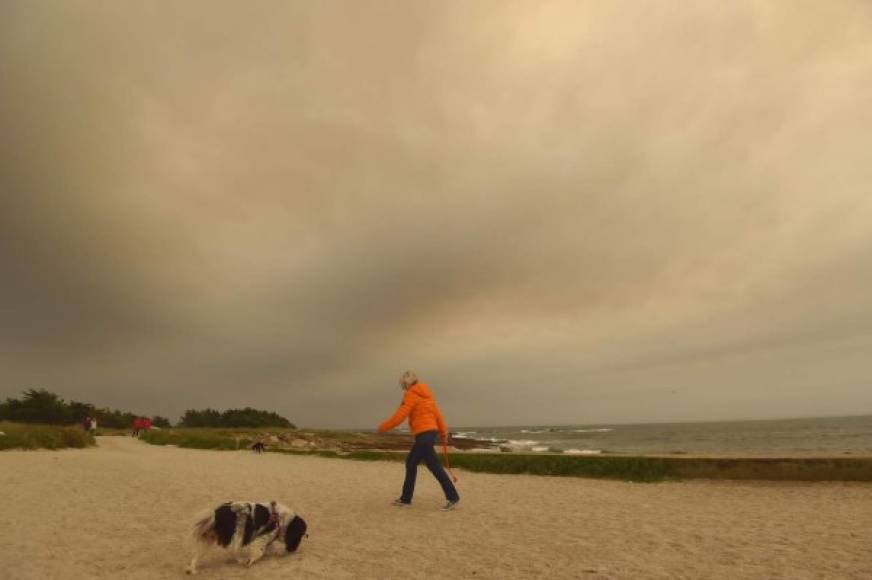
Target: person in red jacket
425, 422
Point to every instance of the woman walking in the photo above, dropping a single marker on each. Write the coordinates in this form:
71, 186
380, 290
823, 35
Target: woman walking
425, 422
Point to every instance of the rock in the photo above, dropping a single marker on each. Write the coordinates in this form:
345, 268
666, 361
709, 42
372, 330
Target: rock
272, 439
299, 443
505, 449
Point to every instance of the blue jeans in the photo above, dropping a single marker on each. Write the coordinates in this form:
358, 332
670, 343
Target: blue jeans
423, 450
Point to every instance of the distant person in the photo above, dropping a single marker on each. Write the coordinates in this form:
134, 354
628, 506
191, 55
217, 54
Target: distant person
141, 424
86, 423
425, 422
94, 426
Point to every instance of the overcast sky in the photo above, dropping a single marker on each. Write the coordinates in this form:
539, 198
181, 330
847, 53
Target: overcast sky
560, 212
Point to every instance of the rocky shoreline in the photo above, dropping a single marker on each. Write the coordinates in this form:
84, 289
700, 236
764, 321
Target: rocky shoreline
347, 441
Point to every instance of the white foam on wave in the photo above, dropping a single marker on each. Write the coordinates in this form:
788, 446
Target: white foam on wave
532, 431
522, 442
540, 448
583, 451
602, 430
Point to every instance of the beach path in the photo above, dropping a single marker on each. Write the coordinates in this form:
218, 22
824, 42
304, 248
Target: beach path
123, 510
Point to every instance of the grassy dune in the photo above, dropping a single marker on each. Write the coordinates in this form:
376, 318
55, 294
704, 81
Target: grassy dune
640, 468
36, 436
241, 438
219, 439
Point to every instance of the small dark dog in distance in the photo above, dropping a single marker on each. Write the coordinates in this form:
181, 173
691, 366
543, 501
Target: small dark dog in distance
258, 447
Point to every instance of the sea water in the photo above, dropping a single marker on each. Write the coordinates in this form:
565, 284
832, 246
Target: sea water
817, 436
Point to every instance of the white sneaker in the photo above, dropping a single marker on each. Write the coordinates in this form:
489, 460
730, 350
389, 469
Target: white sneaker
449, 505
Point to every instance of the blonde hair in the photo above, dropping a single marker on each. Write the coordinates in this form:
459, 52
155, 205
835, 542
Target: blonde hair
408, 379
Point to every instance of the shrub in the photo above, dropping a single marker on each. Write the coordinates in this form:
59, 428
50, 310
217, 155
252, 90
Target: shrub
246, 417
36, 436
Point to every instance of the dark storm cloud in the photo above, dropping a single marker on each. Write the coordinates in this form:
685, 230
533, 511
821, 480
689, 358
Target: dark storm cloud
546, 209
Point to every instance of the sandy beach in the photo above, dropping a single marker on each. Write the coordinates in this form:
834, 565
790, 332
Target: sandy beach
122, 510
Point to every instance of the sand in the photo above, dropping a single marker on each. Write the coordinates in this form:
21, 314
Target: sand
122, 511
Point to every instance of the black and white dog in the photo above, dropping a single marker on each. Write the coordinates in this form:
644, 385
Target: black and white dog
248, 530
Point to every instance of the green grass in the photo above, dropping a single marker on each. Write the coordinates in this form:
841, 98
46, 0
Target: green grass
218, 439
627, 468
36, 436
640, 469
230, 438
772, 468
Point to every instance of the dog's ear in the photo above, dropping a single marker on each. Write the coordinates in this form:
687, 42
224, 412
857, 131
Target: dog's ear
294, 533
225, 524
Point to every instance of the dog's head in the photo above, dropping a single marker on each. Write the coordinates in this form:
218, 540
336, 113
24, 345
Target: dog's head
294, 533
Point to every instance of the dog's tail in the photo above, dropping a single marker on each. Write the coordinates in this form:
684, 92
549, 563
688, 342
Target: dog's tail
204, 527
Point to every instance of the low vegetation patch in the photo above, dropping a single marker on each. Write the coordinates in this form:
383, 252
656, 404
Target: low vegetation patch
309, 440
626, 468
196, 438
35, 436
772, 468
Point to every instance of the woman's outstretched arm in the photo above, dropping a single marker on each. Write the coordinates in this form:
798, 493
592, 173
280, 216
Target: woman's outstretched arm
399, 416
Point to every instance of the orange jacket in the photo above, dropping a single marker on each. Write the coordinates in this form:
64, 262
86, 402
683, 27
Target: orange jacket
421, 409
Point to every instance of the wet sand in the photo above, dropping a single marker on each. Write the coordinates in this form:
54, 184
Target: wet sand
123, 510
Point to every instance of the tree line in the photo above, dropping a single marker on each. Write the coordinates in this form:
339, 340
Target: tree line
42, 406
246, 417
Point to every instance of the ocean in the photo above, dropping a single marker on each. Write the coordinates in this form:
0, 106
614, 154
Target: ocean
819, 436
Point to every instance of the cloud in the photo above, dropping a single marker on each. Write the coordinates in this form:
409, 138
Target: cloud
286, 206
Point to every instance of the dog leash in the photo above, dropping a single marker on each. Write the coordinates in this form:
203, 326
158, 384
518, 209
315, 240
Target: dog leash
447, 464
